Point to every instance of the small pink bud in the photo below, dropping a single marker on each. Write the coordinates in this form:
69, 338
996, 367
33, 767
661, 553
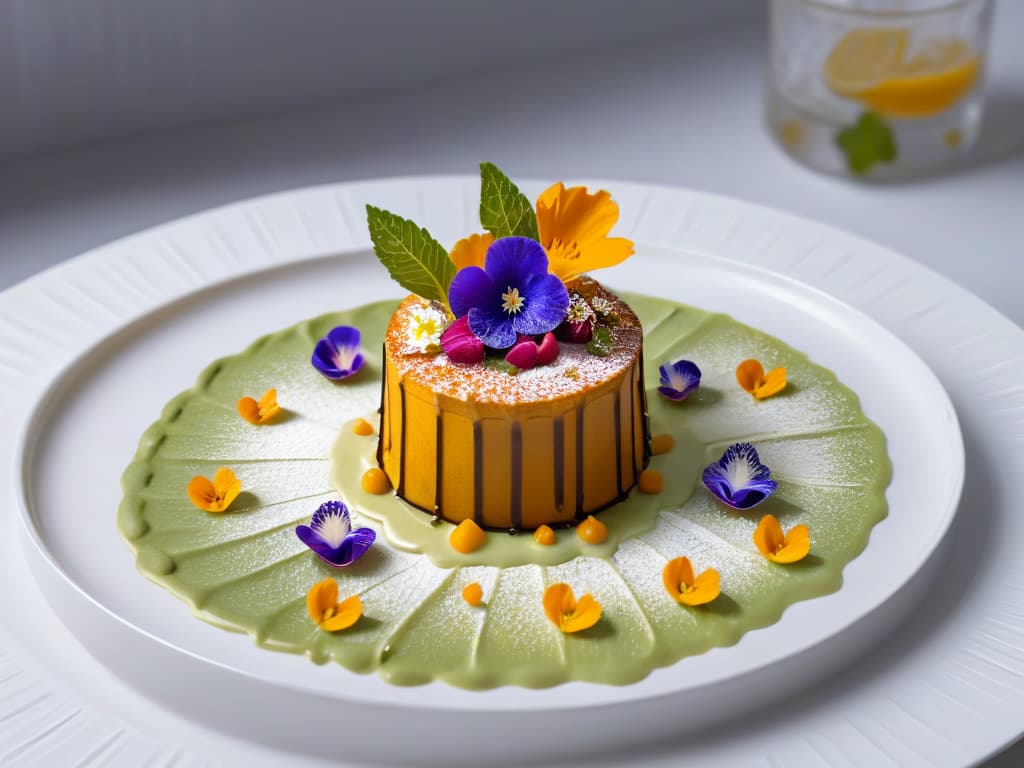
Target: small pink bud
523, 354
575, 333
548, 349
460, 344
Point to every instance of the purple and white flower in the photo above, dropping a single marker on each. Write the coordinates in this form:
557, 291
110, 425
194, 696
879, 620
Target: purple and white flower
739, 479
330, 535
337, 355
512, 295
679, 379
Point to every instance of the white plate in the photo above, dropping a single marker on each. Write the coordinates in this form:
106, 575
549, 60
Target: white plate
110, 287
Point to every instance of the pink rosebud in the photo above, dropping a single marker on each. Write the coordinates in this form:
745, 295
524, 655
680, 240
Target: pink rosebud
460, 344
548, 349
575, 332
523, 354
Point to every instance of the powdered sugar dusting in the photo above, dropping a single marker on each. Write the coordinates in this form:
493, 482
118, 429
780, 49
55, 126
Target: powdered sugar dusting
574, 370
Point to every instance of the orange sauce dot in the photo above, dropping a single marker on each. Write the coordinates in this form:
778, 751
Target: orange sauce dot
651, 481
662, 443
467, 537
592, 530
544, 536
473, 594
362, 427
375, 481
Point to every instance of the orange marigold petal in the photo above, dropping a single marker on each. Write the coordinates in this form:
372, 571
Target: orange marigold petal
227, 488
750, 375
774, 382
201, 492
676, 576
573, 226
768, 536
586, 614
796, 547
471, 251
706, 588
347, 613
268, 407
249, 410
321, 596
558, 600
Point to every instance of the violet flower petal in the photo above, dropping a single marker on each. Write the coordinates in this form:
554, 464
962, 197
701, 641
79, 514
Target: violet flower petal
471, 287
679, 379
337, 355
510, 261
330, 537
546, 302
739, 479
493, 328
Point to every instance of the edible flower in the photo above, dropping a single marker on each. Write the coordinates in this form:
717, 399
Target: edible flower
330, 535
513, 294
325, 610
779, 547
578, 326
562, 608
684, 588
460, 344
574, 227
678, 380
739, 479
471, 251
261, 412
215, 496
426, 324
526, 353
337, 355
751, 376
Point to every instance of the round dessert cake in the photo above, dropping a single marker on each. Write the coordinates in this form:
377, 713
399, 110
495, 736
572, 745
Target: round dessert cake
545, 446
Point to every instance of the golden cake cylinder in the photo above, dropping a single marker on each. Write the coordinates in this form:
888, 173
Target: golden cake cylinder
514, 452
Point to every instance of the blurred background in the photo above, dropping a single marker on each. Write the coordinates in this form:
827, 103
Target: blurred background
119, 115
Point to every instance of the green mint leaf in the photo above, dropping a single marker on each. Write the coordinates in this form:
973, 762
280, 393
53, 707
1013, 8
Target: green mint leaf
500, 364
601, 342
415, 260
867, 142
504, 210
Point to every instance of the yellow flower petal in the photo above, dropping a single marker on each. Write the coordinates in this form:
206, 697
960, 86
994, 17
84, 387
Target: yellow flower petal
260, 412
774, 382
471, 251
249, 410
201, 492
768, 536
586, 615
562, 609
558, 599
215, 496
573, 226
321, 597
706, 588
676, 576
345, 614
796, 547
750, 375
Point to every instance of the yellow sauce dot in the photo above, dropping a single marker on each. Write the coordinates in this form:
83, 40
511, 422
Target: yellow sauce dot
467, 537
592, 530
473, 594
662, 443
375, 481
362, 427
544, 536
651, 481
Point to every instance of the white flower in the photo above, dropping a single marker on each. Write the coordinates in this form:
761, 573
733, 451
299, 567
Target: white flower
426, 324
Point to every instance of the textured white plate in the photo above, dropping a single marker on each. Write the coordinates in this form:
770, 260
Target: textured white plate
102, 292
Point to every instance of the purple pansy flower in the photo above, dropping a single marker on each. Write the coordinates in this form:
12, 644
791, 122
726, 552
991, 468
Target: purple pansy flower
739, 479
337, 355
330, 535
679, 379
513, 294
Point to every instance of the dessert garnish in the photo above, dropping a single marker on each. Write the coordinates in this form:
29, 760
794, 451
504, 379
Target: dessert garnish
544, 535
473, 593
262, 412
362, 427
215, 496
662, 443
568, 614
330, 535
778, 547
375, 481
687, 589
592, 530
337, 355
751, 376
425, 328
460, 344
678, 380
325, 610
467, 537
650, 481
739, 479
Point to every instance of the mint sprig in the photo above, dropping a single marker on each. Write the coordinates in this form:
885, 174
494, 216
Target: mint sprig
600, 343
504, 210
416, 261
867, 142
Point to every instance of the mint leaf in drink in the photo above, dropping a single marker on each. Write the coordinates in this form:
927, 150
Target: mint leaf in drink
504, 210
867, 142
415, 260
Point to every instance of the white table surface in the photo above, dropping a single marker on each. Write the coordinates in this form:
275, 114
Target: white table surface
683, 112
